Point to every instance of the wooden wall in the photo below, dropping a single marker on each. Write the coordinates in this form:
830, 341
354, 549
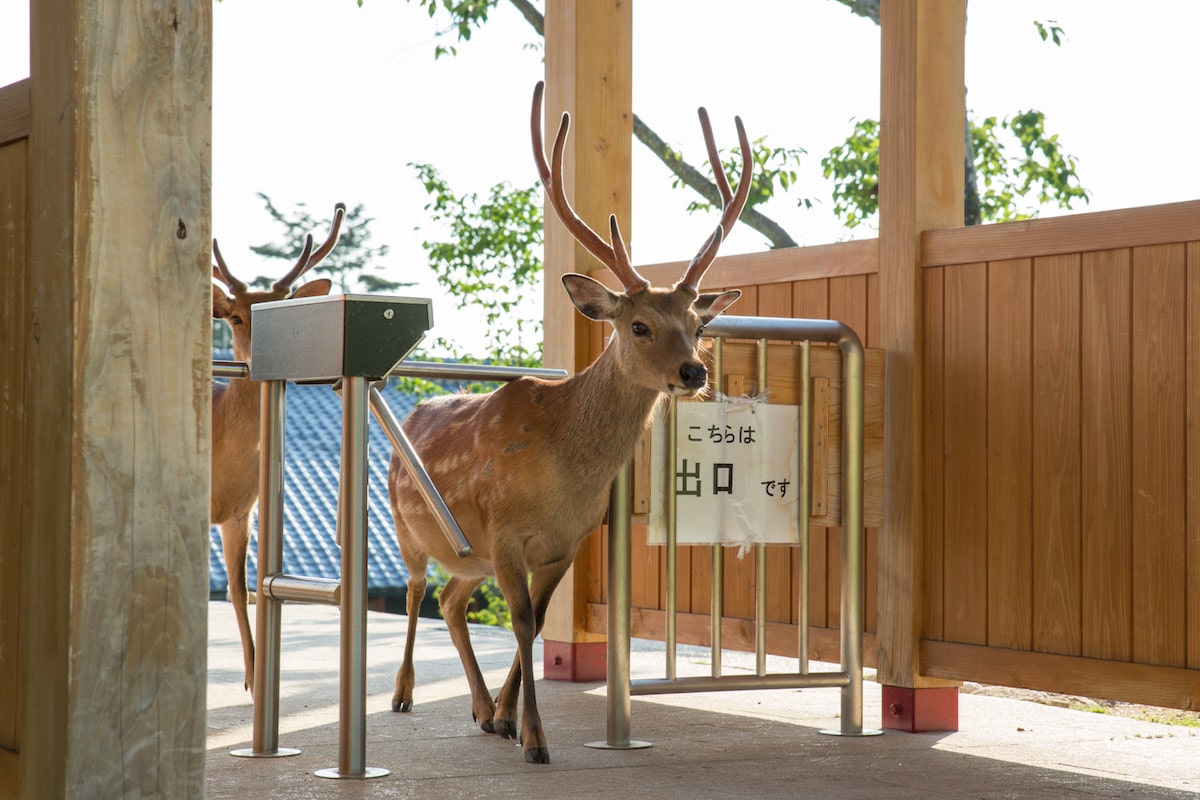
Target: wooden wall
1062, 458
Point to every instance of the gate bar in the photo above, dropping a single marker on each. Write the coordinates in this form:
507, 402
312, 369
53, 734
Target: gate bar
849, 678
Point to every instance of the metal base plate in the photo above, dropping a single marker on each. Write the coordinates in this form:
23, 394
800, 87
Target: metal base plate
368, 772
633, 744
840, 732
248, 752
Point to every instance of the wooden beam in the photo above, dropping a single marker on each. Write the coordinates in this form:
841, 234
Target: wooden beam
114, 569
921, 188
589, 71
1079, 233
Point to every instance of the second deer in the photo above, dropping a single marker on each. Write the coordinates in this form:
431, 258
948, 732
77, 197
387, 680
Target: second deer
235, 419
526, 469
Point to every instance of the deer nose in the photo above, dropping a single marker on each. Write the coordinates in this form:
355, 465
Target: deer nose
693, 375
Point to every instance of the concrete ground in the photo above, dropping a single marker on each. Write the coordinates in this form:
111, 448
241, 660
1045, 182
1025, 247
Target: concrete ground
760, 744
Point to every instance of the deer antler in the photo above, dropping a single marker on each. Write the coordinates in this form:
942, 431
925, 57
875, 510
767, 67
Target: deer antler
221, 272
731, 204
307, 261
613, 256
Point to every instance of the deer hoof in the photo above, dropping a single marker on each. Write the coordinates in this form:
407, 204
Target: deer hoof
506, 728
537, 755
486, 726
402, 705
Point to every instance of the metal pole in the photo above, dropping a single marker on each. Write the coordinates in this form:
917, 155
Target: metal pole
852, 533
265, 741
717, 610
806, 417
620, 526
352, 530
760, 550
672, 536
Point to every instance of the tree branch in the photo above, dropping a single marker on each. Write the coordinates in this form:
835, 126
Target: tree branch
693, 178
688, 174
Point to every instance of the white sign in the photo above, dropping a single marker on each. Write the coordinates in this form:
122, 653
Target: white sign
736, 474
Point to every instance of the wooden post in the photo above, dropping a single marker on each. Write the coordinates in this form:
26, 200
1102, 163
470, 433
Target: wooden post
589, 70
114, 568
921, 188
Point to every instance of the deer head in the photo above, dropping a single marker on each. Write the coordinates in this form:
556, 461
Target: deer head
656, 329
234, 308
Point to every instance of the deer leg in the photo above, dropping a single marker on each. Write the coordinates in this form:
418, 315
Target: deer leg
527, 604
235, 539
416, 561
455, 597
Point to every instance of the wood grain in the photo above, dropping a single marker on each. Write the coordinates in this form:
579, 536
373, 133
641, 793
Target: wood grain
1057, 607
1010, 484
1106, 456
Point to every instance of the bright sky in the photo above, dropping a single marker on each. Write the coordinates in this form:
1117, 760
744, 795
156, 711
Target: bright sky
320, 102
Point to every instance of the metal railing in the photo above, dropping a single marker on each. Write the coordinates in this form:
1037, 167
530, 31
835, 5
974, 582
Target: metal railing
849, 678
350, 592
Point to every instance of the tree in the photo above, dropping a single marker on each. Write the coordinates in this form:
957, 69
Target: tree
353, 261
1043, 171
490, 259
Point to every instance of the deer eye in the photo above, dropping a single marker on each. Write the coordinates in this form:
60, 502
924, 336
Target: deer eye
700, 331
236, 319
640, 329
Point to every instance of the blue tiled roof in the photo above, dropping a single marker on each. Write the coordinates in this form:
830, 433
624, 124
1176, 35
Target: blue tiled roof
312, 454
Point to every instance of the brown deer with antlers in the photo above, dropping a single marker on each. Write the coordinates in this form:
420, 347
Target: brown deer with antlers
526, 469
235, 419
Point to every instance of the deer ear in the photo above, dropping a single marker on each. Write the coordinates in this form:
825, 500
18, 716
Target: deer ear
313, 288
592, 298
710, 306
222, 303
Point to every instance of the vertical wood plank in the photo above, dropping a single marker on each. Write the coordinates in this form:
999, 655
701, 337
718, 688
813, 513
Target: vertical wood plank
1009, 454
1106, 455
965, 440
13, 187
1159, 361
775, 300
1057, 594
848, 305
933, 445
871, 545
810, 300
1193, 454
737, 594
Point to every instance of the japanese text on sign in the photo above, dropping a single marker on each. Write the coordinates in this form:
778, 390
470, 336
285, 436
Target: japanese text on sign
735, 474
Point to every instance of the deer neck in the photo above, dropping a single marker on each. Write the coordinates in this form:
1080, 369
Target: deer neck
606, 413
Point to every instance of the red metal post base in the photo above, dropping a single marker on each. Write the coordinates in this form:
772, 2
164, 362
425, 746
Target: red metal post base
920, 710
580, 662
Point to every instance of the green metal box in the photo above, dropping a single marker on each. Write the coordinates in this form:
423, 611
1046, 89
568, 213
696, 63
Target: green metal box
319, 339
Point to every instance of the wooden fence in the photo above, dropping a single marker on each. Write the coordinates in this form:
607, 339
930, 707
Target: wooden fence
1061, 457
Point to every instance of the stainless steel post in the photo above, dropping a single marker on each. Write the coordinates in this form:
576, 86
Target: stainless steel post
265, 741
672, 521
805, 511
716, 604
352, 529
852, 532
760, 550
620, 527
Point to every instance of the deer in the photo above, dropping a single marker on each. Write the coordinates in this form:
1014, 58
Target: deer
235, 418
526, 470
